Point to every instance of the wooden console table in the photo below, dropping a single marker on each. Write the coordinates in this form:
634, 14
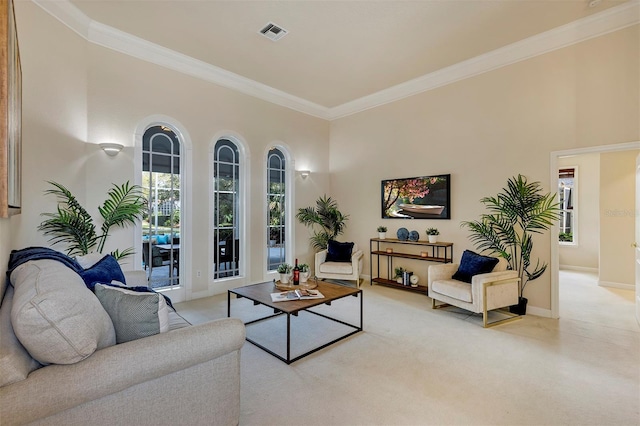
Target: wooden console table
436, 252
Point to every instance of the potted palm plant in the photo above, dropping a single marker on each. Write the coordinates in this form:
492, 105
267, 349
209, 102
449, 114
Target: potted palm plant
72, 225
325, 216
515, 214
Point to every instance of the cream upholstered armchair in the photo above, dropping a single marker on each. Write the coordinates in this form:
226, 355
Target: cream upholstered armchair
486, 291
340, 261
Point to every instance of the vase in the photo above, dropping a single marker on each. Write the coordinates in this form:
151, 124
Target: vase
284, 278
382, 235
304, 276
433, 239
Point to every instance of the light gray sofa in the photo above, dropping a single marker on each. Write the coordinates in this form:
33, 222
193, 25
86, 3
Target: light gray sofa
188, 375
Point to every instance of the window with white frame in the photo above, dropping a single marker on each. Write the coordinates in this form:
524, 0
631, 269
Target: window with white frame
276, 211
161, 221
566, 197
226, 209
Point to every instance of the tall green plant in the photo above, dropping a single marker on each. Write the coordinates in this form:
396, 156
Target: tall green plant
72, 225
515, 214
325, 216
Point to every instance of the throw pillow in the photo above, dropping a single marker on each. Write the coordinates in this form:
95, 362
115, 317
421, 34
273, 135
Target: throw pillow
134, 314
106, 270
473, 264
339, 252
55, 317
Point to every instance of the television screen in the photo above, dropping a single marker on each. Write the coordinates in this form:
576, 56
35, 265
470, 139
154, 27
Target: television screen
423, 197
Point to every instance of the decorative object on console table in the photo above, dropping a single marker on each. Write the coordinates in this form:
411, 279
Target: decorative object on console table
433, 233
414, 280
519, 211
382, 232
398, 274
10, 114
414, 236
403, 234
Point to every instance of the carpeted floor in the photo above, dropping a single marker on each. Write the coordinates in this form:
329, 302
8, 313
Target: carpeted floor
417, 366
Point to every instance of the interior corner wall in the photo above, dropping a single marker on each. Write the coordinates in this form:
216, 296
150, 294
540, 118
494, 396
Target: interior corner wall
585, 253
617, 218
78, 94
484, 130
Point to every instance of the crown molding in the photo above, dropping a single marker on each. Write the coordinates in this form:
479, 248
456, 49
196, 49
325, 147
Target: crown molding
598, 24
612, 19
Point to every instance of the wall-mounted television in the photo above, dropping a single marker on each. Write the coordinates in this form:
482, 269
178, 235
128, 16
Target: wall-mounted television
422, 197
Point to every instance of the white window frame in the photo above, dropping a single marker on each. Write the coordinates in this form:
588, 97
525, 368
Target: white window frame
575, 210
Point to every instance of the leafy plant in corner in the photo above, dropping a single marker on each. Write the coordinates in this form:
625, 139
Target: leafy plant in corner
326, 216
73, 225
515, 214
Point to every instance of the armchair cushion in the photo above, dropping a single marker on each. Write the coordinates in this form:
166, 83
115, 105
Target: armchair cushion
473, 264
339, 252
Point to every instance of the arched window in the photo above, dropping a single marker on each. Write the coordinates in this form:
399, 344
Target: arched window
276, 209
226, 209
161, 222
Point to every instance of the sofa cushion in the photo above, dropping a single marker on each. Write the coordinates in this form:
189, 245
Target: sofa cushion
55, 316
473, 264
15, 361
104, 271
134, 314
339, 252
453, 288
336, 268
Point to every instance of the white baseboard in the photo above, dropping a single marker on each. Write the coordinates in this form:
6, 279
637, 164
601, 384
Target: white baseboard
623, 286
579, 268
539, 312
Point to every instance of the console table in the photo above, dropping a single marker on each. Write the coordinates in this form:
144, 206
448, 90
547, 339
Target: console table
435, 252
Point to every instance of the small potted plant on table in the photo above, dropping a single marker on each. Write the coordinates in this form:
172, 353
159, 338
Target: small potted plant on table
433, 233
304, 272
382, 232
284, 269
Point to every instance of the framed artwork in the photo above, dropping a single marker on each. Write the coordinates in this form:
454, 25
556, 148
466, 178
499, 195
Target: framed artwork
11, 113
422, 197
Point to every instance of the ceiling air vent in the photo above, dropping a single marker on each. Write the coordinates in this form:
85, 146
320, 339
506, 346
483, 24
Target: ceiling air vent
273, 31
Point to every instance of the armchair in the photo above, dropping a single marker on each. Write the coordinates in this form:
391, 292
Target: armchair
340, 270
494, 290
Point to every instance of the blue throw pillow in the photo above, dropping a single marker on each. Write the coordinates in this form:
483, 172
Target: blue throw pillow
473, 264
105, 271
339, 252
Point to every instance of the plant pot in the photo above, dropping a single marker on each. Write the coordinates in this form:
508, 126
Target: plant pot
284, 278
304, 276
433, 239
382, 235
520, 308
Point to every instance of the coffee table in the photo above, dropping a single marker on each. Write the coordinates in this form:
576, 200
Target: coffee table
260, 294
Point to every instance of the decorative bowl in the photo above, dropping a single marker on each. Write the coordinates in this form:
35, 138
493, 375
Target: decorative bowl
414, 236
403, 234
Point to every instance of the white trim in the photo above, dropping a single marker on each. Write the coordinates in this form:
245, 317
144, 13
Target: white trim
222, 284
612, 284
184, 290
576, 208
553, 181
609, 20
579, 269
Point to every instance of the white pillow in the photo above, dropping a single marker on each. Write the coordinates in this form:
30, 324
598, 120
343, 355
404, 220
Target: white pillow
55, 316
134, 314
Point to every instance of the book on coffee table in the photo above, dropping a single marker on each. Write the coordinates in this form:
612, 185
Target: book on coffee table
298, 294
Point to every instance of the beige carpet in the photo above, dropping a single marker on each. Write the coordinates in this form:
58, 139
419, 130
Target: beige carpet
417, 366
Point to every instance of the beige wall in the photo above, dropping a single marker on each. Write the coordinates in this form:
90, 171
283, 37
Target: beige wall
584, 254
78, 95
617, 223
486, 129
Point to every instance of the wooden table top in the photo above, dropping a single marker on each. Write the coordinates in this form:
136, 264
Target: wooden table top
262, 293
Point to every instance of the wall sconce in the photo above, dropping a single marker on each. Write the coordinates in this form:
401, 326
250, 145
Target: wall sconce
112, 149
304, 173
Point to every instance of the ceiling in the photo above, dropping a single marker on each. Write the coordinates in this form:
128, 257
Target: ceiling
336, 51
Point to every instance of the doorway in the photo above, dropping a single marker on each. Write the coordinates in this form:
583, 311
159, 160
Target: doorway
555, 252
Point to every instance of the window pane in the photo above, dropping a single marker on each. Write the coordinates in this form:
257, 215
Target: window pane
276, 253
226, 198
566, 187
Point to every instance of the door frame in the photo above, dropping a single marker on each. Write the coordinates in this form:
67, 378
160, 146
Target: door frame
553, 181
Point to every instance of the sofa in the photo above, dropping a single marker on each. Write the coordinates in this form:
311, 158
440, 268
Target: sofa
60, 363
